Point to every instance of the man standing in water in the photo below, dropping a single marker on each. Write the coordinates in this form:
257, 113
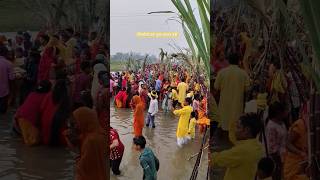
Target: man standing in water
183, 125
232, 82
182, 91
148, 161
153, 109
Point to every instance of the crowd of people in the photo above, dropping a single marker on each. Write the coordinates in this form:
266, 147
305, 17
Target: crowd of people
264, 114
57, 84
175, 91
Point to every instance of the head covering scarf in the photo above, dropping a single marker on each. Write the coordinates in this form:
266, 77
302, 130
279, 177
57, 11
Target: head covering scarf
95, 83
92, 163
138, 115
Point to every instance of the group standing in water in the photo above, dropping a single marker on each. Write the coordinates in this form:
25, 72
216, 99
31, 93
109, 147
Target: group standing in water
175, 91
149, 92
60, 101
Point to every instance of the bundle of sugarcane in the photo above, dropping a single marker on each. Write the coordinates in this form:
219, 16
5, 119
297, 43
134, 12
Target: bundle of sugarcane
300, 80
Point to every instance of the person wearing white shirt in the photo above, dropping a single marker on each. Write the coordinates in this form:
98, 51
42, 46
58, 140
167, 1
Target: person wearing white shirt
153, 109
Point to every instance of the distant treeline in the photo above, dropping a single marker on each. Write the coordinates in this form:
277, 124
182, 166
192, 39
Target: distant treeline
132, 55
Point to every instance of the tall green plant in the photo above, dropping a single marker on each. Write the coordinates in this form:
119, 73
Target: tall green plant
197, 36
311, 16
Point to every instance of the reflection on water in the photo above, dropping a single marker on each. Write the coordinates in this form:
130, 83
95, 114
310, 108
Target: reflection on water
174, 164
18, 161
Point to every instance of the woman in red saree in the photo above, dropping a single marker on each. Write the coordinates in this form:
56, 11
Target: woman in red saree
116, 151
27, 115
92, 162
45, 64
121, 98
54, 114
144, 95
138, 115
124, 81
47, 60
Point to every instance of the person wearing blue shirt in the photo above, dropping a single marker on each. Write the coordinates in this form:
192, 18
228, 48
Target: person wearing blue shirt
158, 86
148, 161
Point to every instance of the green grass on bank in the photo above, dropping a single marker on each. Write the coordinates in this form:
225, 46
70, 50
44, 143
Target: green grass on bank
117, 66
14, 16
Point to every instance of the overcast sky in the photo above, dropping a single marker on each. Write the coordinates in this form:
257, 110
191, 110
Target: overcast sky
130, 16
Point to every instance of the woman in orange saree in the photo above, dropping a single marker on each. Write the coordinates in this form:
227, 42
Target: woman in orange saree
296, 154
92, 162
203, 121
138, 115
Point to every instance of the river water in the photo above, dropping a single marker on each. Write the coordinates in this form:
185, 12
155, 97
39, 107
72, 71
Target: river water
174, 163
19, 162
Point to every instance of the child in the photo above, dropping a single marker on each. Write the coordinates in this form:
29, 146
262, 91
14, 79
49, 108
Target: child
153, 109
148, 161
183, 125
196, 102
192, 125
174, 97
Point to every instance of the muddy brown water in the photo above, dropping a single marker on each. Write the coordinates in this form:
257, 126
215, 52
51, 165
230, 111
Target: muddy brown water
174, 163
19, 162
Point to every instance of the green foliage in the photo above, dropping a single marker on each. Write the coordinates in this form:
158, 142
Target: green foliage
197, 36
311, 15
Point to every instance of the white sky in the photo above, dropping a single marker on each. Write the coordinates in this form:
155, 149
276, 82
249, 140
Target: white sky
130, 16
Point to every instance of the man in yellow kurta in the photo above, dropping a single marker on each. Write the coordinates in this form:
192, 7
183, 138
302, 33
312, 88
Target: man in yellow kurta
182, 90
232, 82
197, 88
242, 159
183, 125
174, 97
